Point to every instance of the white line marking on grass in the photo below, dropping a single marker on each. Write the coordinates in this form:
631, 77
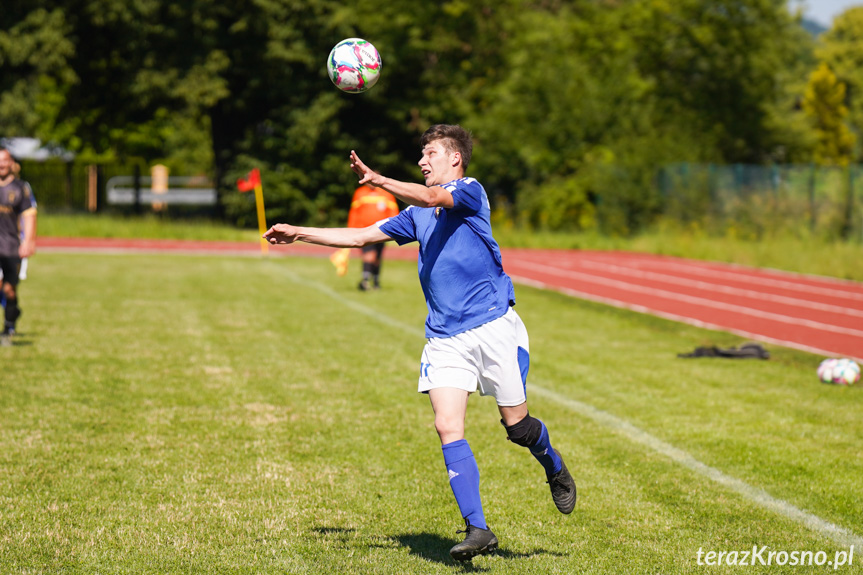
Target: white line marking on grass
824, 528
838, 534
356, 306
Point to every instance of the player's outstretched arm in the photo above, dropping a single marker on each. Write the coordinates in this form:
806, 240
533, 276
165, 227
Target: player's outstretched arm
413, 194
332, 237
28, 242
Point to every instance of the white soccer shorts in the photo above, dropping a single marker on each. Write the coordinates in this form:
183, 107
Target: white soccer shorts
492, 359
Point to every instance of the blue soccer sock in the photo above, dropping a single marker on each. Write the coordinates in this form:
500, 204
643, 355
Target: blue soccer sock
544, 453
464, 481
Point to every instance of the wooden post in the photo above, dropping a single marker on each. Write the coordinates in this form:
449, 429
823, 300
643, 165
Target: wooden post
159, 184
92, 188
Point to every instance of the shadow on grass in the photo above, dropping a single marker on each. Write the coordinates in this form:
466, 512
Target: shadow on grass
20, 339
429, 546
339, 532
433, 547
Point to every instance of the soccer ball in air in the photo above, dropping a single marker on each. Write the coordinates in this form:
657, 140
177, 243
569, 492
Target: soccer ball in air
354, 65
839, 371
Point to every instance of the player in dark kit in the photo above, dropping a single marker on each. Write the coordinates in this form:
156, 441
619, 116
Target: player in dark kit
16, 205
476, 340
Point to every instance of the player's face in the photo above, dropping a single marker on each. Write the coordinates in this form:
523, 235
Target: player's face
5, 164
437, 164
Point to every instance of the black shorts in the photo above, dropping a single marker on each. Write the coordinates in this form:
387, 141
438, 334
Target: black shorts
378, 248
10, 266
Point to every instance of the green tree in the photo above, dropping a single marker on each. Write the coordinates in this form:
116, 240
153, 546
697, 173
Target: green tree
841, 48
824, 103
35, 52
723, 64
565, 104
573, 103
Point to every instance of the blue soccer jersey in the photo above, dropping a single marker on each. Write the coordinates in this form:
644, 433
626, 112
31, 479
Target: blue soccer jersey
460, 267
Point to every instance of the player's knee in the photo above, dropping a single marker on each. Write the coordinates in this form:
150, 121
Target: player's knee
449, 427
525, 433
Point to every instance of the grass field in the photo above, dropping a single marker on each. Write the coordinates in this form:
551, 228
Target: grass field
184, 414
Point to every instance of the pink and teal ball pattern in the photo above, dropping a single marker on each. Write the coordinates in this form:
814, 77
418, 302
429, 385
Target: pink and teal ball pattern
839, 371
354, 65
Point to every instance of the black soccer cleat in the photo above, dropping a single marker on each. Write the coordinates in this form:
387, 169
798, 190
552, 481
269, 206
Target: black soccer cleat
562, 488
476, 542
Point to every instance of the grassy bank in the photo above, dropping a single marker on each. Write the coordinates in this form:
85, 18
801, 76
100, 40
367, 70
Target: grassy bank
147, 227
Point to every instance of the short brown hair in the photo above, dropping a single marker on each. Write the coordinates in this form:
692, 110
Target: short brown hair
454, 138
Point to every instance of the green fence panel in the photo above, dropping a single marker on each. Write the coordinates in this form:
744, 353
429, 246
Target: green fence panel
757, 201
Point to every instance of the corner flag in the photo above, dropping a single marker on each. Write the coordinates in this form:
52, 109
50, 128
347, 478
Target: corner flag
253, 182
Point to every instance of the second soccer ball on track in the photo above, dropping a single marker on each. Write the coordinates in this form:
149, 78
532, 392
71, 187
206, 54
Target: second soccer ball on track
354, 65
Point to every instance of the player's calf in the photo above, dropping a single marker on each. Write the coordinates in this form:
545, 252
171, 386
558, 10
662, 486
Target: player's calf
532, 433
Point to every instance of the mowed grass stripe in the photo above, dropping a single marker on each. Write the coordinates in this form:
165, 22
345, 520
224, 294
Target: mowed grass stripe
177, 414
756, 495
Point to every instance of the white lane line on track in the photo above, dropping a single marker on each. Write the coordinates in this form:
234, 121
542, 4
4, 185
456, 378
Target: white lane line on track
750, 276
679, 297
824, 528
673, 317
707, 286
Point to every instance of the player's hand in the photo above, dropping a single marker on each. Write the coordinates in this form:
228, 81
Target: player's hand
366, 174
281, 234
27, 248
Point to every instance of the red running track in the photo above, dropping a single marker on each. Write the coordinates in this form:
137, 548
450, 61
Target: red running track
816, 314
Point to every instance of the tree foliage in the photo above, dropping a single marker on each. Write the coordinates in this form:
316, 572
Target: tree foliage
824, 103
841, 48
573, 104
723, 65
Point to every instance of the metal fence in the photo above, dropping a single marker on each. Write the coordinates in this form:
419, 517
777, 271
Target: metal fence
78, 187
760, 201
68, 185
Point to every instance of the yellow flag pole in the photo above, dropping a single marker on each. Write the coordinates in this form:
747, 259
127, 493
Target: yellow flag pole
262, 219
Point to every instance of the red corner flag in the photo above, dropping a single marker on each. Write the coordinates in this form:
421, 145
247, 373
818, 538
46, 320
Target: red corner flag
247, 184
250, 182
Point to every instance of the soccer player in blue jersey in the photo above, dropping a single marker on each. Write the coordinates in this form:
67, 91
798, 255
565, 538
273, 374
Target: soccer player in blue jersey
476, 340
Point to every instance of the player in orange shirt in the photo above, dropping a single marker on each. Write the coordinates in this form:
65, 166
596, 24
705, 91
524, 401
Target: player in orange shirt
371, 205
